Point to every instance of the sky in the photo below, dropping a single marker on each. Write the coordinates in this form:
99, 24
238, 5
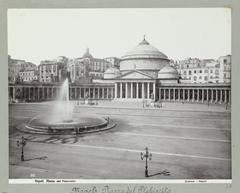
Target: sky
39, 34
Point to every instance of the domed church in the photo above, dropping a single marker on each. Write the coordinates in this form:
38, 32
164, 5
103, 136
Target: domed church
141, 70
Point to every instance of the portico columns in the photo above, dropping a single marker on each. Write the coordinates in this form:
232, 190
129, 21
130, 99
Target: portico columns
107, 92
203, 95
121, 90
188, 94
126, 90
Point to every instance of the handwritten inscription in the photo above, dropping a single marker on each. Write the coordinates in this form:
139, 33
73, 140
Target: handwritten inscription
127, 189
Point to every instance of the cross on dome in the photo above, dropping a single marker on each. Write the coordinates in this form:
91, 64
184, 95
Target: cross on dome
144, 42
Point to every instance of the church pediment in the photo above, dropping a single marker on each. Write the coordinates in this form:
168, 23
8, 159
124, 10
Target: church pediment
135, 75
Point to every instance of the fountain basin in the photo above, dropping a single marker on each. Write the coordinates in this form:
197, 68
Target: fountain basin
79, 123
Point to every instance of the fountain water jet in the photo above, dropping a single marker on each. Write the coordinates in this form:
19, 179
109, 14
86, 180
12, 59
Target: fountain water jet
63, 120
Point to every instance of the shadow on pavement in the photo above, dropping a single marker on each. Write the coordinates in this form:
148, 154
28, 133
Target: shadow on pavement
39, 158
164, 172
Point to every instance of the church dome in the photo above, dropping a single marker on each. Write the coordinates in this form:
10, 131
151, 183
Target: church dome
144, 57
168, 72
87, 54
111, 73
144, 50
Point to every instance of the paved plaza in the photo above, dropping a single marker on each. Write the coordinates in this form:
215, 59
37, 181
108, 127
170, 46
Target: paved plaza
187, 141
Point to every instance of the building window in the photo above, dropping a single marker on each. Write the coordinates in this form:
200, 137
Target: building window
195, 78
205, 78
200, 71
211, 71
200, 77
206, 71
190, 72
195, 71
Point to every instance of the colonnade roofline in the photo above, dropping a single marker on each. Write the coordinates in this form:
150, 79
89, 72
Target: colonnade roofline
59, 84
200, 85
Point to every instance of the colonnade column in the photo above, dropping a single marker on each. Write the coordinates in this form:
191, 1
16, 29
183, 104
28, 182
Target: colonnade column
198, 95
207, 95
115, 85
94, 90
179, 90
225, 97
174, 94
202, 95
164, 94
216, 96
148, 90
169, 94
14, 95
229, 97
221, 93
183, 93
137, 90
131, 90
37, 98
159, 91
211, 95
154, 91
143, 94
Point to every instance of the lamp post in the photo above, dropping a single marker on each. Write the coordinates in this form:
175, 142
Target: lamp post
147, 156
22, 143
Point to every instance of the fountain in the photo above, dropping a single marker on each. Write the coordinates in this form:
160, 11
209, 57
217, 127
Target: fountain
63, 120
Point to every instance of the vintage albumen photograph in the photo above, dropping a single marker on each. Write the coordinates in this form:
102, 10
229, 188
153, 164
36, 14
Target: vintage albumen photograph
119, 94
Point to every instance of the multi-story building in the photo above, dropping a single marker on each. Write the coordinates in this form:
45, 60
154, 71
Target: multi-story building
16, 65
28, 76
194, 70
225, 68
53, 70
114, 61
87, 67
